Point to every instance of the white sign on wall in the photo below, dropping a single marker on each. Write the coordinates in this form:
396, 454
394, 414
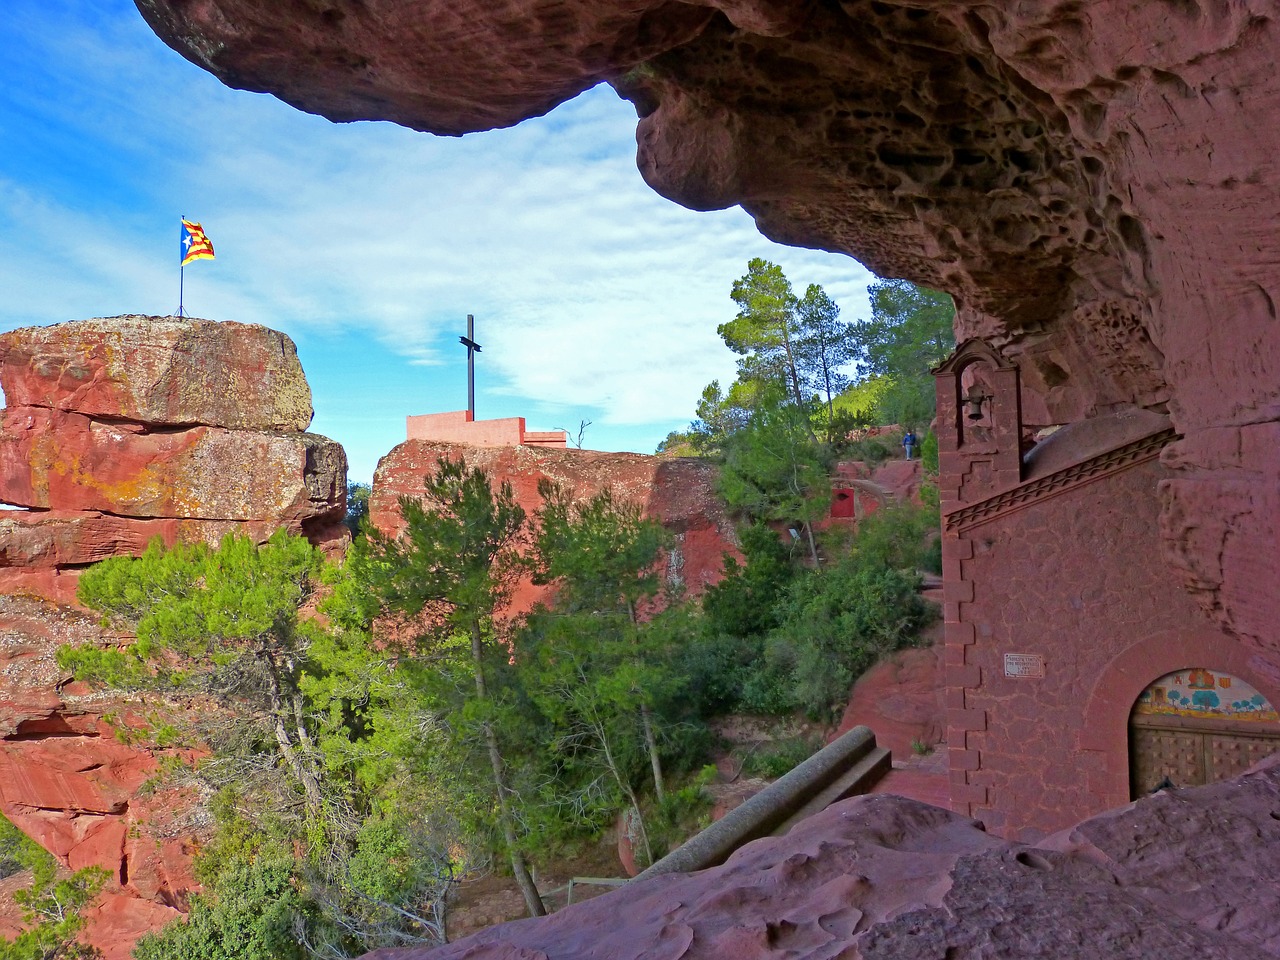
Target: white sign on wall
1024, 666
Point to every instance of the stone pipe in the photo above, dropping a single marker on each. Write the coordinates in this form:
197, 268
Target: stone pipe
781, 801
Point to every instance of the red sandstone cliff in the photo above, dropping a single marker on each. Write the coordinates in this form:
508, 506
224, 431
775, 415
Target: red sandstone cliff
679, 492
118, 431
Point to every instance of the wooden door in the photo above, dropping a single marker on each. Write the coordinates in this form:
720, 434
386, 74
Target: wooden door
1192, 753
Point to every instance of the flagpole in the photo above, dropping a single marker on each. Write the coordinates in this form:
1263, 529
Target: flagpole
193, 244
181, 265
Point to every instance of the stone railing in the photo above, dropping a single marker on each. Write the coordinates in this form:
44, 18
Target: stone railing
849, 765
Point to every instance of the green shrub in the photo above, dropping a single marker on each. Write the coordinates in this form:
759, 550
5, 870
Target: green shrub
770, 687
779, 758
50, 906
929, 454
19, 852
717, 667
837, 623
932, 560
745, 601
899, 537
872, 451
685, 745
247, 915
682, 813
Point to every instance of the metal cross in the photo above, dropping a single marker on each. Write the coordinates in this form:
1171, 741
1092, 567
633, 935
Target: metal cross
473, 348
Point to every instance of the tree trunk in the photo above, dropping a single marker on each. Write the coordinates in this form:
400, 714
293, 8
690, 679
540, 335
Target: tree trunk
300, 724
655, 762
646, 724
795, 382
624, 785
307, 777
813, 546
826, 379
519, 868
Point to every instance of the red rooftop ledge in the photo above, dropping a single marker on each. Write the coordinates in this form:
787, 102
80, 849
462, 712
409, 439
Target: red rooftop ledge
459, 426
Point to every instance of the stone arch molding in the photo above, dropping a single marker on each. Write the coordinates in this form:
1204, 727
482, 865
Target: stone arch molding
973, 350
1109, 703
950, 374
976, 462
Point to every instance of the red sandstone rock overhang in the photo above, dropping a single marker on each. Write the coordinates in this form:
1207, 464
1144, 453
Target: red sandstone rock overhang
989, 152
1096, 182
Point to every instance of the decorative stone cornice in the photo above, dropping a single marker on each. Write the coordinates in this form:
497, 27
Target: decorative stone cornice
1059, 482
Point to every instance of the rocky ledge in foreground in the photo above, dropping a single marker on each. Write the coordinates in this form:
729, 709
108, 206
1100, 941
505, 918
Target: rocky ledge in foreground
1187, 873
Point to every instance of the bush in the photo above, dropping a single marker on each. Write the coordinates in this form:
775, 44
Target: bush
872, 451
779, 758
50, 906
743, 600
248, 915
682, 813
775, 639
19, 852
899, 537
929, 454
836, 624
770, 687
716, 667
685, 745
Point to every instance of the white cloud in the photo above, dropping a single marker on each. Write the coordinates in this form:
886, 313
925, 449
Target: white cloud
595, 298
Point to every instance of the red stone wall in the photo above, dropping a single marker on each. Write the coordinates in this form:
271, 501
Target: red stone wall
1076, 579
458, 427
679, 492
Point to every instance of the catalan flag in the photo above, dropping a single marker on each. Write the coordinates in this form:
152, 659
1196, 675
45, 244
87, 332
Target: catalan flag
194, 245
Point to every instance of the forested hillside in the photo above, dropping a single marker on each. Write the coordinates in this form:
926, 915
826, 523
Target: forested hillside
382, 728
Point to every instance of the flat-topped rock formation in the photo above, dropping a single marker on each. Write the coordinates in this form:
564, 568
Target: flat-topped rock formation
164, 371
678, 492
121, 429
118, 431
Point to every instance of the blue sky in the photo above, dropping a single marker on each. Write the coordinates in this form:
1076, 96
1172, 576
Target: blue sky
595, 299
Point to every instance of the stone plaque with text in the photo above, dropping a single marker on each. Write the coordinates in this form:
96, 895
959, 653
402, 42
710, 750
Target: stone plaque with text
1024, 666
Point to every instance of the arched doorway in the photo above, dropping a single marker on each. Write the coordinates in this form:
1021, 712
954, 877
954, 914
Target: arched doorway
1198, 726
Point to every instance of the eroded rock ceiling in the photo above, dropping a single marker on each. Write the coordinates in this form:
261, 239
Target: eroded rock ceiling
1095, 181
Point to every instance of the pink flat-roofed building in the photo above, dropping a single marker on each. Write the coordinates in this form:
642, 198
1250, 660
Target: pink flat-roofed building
459, 426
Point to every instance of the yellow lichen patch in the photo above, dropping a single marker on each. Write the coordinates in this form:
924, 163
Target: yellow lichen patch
44, 459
